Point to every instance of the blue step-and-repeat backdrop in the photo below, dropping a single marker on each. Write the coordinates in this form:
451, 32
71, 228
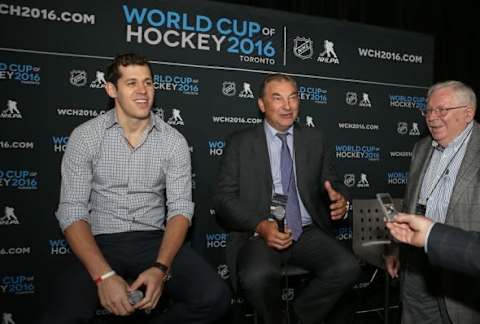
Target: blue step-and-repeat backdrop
363, 85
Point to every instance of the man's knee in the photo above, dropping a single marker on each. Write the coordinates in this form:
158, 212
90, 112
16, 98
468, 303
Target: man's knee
215, 300
221, 297
259, 277
348, 270
218, 294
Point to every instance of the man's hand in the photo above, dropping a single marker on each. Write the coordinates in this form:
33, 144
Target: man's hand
392, 265
113, 296
268, 230
410, 229
153, 279
338, 206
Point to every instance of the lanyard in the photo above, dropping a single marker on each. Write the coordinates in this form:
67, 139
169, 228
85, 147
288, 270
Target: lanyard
446, 170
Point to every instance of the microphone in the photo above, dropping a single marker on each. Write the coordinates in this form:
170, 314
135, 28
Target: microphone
278, 212
135, 296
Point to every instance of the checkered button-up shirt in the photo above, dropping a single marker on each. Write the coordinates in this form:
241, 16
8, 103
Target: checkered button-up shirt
118, 189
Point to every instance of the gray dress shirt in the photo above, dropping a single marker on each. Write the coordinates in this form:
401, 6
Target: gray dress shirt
119, 189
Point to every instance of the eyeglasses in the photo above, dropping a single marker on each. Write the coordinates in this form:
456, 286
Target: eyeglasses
442, 112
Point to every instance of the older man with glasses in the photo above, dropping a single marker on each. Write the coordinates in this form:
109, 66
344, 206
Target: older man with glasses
443, 185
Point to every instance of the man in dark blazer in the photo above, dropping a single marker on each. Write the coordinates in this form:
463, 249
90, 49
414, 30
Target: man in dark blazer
447, 246
250, 173
444, 185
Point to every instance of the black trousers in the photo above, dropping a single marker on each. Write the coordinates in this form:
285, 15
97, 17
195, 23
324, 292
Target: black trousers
199, 295
335, 270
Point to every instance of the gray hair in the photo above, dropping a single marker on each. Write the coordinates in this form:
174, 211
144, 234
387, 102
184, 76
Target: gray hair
463, 92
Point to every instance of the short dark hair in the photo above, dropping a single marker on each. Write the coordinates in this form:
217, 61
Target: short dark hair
274, 77
113, 70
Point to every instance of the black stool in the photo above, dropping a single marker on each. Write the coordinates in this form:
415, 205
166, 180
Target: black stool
289, 271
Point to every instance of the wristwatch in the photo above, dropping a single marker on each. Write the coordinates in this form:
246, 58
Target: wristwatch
163, 268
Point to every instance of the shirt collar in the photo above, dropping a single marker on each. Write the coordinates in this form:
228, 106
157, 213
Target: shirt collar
272, 132
112, 120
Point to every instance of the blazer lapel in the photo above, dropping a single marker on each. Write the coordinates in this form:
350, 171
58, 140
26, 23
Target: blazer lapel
301, 156
468, 167
417, 172
261, 160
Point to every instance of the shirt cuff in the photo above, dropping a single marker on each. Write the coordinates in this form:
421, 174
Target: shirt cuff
67, 214
184, 208
427, 236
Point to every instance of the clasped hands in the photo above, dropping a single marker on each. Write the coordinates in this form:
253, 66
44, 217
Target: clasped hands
113, 292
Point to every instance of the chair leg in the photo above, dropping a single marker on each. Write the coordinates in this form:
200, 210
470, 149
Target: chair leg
387, 297
287, 313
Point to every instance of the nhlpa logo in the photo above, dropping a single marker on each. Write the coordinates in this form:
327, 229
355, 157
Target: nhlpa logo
349, 179
328, 50
402, 129
309, 121
11, 111
7, 318
176, 119
365, 102
100, 81
223, 272
12, 107
414, 131
328, 55
351, 98
9, 217
303, 47
229, 88
247, 91
363, 183
78, 78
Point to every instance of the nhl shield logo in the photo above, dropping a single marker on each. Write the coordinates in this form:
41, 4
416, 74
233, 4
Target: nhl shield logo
288, 294
222, 270
229, 88
349, 179
78, 78
303, 47
351, 98
402, 128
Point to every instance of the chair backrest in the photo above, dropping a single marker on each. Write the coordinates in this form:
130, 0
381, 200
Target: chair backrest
370, 236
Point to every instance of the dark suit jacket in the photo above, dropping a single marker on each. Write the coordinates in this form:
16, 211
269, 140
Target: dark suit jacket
244, 187
454, 249
462, 296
